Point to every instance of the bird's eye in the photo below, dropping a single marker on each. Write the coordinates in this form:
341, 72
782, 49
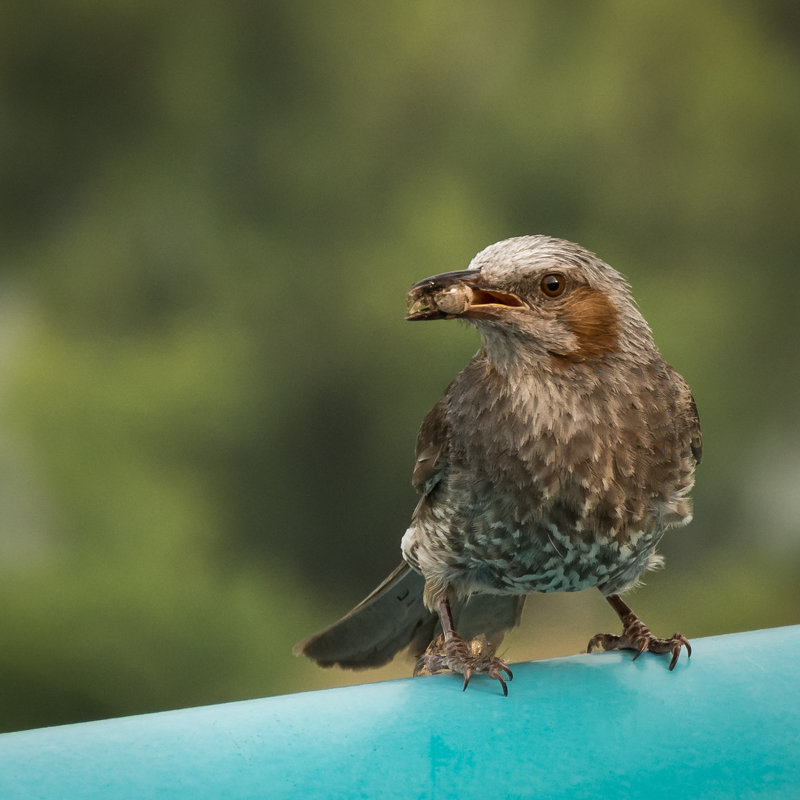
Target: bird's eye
553, 284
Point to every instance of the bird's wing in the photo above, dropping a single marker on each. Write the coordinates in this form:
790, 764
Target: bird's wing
687, 409
431, 449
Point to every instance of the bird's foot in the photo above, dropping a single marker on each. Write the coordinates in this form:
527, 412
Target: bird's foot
467, 658
636, 636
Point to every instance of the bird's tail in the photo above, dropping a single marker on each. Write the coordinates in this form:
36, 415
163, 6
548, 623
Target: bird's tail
393, 617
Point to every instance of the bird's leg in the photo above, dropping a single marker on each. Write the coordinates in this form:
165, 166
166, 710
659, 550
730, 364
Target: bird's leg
450, 651
636, 636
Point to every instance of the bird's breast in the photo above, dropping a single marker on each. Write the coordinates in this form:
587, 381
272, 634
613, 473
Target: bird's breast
547, 489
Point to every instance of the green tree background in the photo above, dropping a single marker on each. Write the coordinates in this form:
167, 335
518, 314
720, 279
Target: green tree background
208, 396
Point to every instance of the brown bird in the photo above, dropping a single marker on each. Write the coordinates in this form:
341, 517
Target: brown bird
554, 462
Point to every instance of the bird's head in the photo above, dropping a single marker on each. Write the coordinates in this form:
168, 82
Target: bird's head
538, 299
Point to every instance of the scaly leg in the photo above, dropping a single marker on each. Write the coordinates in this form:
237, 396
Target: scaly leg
636, 636
450, 651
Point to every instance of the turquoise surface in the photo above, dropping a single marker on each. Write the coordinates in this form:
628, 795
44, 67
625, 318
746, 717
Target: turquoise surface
725, 724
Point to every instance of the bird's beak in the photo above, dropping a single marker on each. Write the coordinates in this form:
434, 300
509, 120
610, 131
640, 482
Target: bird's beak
457, 294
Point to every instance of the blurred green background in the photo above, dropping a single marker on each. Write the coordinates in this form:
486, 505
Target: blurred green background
211, 213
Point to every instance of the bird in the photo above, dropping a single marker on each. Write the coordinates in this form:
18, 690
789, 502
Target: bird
553, 462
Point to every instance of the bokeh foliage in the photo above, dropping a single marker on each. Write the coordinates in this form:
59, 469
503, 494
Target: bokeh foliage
208, 396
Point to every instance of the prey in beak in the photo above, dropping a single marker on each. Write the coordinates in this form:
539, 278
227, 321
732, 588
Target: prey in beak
457, 294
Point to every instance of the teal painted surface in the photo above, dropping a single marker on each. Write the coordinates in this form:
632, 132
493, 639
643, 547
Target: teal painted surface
724, 725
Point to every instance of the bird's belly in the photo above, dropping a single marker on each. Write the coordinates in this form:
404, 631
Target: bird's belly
566, 563
540, 557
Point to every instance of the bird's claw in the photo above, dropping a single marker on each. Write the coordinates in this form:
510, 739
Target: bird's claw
466, 658
636, 636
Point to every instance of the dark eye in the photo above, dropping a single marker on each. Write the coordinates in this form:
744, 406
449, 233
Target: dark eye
553, 284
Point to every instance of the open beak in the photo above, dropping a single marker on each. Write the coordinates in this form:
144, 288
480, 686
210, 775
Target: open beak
457, 294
